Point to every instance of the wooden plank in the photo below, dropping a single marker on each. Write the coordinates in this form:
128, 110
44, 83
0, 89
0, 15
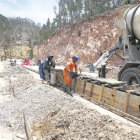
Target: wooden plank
88, 88
127, 101
113, 97
95, 96
79, 86
76, 88
91, 90
101, 92
107, 95
63, 82
84, 87
75, 82
119, 101
111, 108
59, 78
107, 92
134, 105
95, 91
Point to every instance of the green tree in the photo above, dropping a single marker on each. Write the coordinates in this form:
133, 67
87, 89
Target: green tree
43, 33
127, 1
73, 11
31, 55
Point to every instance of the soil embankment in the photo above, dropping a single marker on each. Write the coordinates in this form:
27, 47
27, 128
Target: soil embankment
86, 39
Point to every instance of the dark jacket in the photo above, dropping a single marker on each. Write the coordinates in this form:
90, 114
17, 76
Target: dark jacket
41, 73
49, 64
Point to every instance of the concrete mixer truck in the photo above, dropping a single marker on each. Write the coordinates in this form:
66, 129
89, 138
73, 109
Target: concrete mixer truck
129, 41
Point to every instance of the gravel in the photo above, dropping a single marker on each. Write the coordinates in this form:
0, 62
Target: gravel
76, 122
51, 113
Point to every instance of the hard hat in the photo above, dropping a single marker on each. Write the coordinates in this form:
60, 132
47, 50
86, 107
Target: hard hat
50, 55
75, 57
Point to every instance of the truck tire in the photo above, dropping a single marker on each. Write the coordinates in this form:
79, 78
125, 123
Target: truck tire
131, 76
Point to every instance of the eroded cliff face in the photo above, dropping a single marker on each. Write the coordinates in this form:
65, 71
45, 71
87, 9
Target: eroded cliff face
85, 39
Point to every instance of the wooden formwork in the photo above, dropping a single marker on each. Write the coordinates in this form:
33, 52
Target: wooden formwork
122, 102
125, 103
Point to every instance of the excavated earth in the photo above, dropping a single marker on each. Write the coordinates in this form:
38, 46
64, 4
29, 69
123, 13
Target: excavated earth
87, 39
50, 113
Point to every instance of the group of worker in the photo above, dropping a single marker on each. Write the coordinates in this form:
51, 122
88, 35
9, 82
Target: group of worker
71, 66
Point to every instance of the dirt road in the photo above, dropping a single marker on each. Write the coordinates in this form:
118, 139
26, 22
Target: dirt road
51, 113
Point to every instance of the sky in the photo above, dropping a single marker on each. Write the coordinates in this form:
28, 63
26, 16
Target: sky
36, 10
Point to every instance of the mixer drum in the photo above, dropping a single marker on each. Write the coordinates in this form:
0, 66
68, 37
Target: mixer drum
133, 21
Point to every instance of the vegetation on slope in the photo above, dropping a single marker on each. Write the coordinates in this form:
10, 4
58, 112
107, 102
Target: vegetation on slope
74, 11
24, 32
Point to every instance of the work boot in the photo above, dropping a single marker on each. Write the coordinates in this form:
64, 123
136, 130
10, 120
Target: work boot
68, 90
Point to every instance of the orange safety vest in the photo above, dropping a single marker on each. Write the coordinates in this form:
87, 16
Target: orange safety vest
69, 68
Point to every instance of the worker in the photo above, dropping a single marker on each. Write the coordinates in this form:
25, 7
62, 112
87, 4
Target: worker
49, 64
41, 72
91, 68
70, 65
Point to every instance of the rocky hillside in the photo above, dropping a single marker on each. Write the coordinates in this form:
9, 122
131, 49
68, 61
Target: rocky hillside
85, 39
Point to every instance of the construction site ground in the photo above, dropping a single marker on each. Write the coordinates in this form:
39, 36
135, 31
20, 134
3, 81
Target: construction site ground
50, 113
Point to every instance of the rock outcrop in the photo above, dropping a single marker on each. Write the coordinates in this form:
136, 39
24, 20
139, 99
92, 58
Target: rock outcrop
85, 39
